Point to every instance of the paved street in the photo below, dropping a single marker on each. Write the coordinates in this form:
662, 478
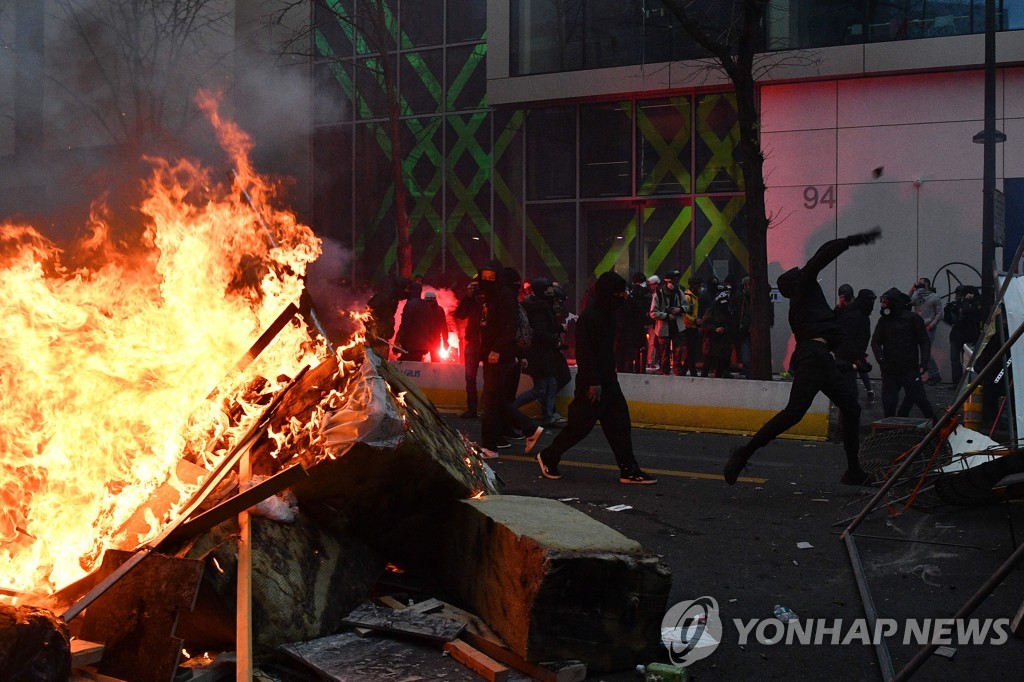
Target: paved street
739, 545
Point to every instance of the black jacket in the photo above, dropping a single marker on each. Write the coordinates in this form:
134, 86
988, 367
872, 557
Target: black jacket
542, 355
595, 342
855, 320
900, 342
424, 325
498, 324
810, 315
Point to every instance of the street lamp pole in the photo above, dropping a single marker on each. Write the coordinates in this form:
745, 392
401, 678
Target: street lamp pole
989, 137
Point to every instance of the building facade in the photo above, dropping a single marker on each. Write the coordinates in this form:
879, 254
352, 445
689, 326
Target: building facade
602, 139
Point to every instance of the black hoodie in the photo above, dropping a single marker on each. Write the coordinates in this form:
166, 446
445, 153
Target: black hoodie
900, 342
595, 334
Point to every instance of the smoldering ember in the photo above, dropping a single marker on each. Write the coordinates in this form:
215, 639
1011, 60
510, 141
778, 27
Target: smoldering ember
191, 465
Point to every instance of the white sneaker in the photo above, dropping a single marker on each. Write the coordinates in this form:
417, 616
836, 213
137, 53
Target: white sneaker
488, 454
531, 440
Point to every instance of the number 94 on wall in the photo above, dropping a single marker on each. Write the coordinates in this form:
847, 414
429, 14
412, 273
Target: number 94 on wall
820, 196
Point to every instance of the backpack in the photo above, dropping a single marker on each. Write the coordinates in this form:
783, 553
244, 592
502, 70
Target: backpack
524, 332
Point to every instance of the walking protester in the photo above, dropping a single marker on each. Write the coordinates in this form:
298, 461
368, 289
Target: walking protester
424, 328
691, 326
631, 322
741, 306
851, 353
598, 395
542, 355
498, 349
901, 348
470, 308
928, 304
382, 307
963, 314
667, 308
814, 368
653, 343
717, 326
858, 332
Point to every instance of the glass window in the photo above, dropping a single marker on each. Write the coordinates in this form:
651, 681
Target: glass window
507, 158
373, 205
468, 197
612, 33
667, 238
422, 145
609, 239
720, 238
547, 36
467, 77
332, 92
467, 20
606, 163
421, 81
376, 26
551, 246
551, 153
371, 89
422, 23
664, 149
332, 164
334, 30
717, 144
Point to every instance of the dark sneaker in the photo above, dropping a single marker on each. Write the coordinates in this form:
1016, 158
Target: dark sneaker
857, 477
469, 414
737, 460
503, 444
485, 453
871, 396
532, 440
514, 434
638, 478
548, 471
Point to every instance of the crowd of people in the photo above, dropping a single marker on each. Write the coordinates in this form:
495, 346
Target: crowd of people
657, 324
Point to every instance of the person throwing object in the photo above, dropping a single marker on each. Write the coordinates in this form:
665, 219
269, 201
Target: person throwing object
814, 368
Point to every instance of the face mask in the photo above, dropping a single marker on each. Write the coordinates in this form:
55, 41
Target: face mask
885, 310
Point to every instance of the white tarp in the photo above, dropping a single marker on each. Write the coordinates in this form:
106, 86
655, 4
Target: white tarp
1013, 303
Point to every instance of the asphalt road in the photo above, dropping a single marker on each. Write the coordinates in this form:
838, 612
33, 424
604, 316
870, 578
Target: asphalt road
742, 545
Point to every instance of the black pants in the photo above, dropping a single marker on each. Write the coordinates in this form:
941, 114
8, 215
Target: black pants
910, 381
613, 411
500, 382
814, 370
957, 339
472, 364
691, 339
670, 354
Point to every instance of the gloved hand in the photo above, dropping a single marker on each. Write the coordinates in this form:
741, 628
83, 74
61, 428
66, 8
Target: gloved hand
864, 237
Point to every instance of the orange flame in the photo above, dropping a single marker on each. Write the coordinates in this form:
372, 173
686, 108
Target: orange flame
106, 367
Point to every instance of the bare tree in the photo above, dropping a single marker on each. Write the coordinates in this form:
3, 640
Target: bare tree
731, 32
133, 66
375, 27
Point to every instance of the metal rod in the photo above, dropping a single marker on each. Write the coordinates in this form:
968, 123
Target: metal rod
884, 504
946, 417
915, 540
967, 609
881, 648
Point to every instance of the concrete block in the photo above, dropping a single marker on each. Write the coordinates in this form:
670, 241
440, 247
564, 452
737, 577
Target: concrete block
554, 582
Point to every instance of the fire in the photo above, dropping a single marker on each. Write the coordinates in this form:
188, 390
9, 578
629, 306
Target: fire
110, 351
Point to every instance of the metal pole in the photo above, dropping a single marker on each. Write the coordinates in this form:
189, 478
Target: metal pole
989, 177
950, 411
881, 648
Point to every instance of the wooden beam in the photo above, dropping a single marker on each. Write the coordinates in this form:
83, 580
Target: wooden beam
233, 506
480, 663
85, 653
561, 671
243, 593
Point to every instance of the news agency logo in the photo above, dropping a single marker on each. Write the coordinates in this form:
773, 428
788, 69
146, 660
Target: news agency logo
691, 630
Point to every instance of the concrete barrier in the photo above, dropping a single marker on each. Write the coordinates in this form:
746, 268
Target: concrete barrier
655, 401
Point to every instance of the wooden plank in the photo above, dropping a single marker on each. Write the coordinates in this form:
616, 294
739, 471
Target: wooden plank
243, 587
139, 615
425, 625
85, 653
233, 506
480, 663
90, 675
556, 671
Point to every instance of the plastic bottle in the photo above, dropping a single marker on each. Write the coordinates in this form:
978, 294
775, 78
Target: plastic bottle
784, 613
662, 672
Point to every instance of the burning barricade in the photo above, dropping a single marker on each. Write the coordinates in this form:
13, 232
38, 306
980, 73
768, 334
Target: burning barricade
188, 462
